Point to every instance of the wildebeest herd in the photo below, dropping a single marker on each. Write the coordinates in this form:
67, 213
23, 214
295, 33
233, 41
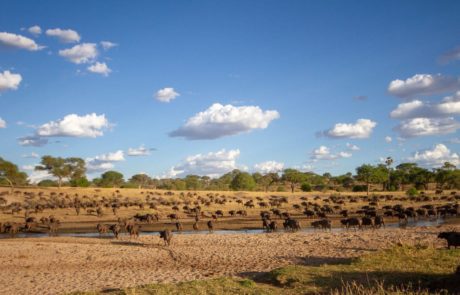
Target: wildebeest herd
356, 212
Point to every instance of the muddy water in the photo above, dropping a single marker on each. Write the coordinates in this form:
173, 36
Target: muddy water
417, 223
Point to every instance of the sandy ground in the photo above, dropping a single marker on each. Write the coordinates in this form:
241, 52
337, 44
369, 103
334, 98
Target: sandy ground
56, 265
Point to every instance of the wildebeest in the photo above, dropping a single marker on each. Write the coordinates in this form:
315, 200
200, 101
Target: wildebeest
173, 216
179, 226
367, 222
102, 228
166, 235
11, 228
452, 238
210, 226
273, 226
115, 228
195, 226
291, 224
133, 230
379, 221
322, 224
351, 222
266, 224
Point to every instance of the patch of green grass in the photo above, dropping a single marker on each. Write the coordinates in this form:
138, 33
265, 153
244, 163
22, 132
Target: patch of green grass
400, 270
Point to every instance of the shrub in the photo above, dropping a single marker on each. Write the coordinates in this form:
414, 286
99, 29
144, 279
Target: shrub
412, 192
305, 187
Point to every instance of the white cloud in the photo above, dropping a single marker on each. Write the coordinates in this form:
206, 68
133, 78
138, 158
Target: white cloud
450, 105
268, 167
2, 123
212, 164
100, 68
106, 45
166, 94
324, 153
219, 121
28, 167
352, 147
451, 55
140, 151
81, 53
9, 81
427, 126
18, 41
361, 129
38, 176
35, 30
435, 157
388, 139
104, 162
73, 125
423, 84
32, 140
65, 36
31, 155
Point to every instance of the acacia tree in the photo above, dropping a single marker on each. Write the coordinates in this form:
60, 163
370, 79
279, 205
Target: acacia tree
110, 179
370, 174
62, 168
11, 174
140, 180
268, 179
294, 177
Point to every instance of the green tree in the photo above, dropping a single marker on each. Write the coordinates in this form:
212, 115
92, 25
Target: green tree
80, 182
267, 180
111, 179
370, 174
10, 174
243, 181
294, 177
140, 180
62, 168
193, 182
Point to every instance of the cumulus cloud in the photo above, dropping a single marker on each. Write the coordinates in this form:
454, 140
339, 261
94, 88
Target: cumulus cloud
104, 162
9, 81
2, 123
81, 53
352, 147
100, 68
427, 126
450, 56
106, 45
435, 157
32, 140
269, 167
219, 121
324, 153
65, 36
35, 30
166, 94
212, 164
361, 129
388, 139
140, 151
423, 84
18, 41
38, 176
450, 105
31, 155
28, 167
91, 125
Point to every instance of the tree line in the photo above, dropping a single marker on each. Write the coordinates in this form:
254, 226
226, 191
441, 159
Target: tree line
383, 177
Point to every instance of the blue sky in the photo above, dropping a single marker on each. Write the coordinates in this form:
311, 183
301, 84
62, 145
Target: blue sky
284, 76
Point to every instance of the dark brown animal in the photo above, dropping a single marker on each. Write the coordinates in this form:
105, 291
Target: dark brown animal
452, 238
166, 235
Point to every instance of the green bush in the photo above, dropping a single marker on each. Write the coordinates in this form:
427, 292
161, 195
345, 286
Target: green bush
412, 192
305, 187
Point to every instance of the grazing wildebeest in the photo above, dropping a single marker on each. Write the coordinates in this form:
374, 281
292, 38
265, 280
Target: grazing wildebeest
102, 228
322, 224
166, 235
367, 222
273, 226
133, 230
115, 228
11, 228
53, 227
210, 226
179, 226
452, 238
351, 222
173, 216
195, 226
379, 221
